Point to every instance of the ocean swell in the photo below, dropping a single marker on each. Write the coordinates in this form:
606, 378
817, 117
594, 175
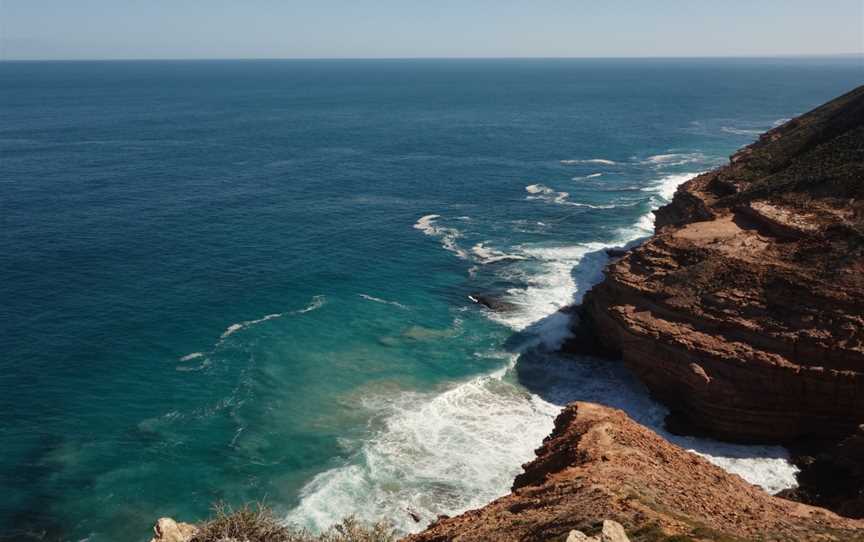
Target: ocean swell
315, 303
448, 451
429, 225
598, 161
544, 193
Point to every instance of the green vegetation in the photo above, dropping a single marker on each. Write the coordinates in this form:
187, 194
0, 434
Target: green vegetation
258, 524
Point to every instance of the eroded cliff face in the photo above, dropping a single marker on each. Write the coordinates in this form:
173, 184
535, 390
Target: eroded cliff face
745, 313
599, 464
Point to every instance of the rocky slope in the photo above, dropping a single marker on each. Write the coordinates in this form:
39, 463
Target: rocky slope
745, 313
599, 464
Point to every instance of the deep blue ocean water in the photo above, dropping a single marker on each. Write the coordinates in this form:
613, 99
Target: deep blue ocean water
248, 280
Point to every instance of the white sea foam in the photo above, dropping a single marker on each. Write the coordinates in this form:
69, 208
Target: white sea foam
234, 328
601, 161
439, 453
586, 177
486, 255
317, 302
551, 282
443, 453
550, 287
382, 301
429, 225
757, 129
193, 355
611, 384
740, 131
675, 159
539, 189
665, 187
544, 193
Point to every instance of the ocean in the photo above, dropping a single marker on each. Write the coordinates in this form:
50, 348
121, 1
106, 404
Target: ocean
252, 280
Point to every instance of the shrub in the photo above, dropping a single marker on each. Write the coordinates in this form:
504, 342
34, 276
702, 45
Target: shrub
258, 524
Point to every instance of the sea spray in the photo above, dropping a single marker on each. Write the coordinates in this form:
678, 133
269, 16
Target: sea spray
445, 452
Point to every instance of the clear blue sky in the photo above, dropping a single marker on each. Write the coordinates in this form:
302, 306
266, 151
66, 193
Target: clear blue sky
91, 29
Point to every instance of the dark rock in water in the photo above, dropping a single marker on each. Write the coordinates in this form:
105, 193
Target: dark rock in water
744, 313
492, 303
831, 476
616, 252
414, 515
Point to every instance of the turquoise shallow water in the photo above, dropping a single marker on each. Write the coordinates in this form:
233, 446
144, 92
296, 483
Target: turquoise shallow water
251, 280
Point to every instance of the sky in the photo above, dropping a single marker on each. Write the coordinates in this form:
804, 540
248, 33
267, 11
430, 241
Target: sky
167, 29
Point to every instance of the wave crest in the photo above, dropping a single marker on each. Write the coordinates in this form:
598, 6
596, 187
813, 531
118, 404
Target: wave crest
374, 299
443, 453
675, 159
544, 193
447, 236
600, 161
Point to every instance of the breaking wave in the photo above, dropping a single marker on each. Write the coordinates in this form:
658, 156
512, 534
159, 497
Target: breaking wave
234, 328
428, 224
675, 159
315, 303
544, 193
585, 177
740, 131
193, 355
754, 128
552, 284
382, 301
601, 161
452, 450
437, 453
485, 255
665, 187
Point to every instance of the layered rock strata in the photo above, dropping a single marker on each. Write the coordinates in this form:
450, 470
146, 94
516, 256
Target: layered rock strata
598, 464
745, 312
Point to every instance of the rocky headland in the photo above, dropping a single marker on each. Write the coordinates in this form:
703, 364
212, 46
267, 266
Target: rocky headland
744, 313
598, 464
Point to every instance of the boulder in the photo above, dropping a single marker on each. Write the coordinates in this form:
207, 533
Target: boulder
613, 532
579, 536
168, 530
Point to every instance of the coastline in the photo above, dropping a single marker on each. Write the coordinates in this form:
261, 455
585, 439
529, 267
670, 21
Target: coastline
598, 463
535, 368
623, 316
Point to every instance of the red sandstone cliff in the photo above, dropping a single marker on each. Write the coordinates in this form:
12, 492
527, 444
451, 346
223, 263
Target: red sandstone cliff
745, 313
599, 464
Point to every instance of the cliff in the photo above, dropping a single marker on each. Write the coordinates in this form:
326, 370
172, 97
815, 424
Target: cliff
745, 312
599, 464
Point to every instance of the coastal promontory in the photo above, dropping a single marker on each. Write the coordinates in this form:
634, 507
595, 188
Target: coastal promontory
598, 464
745, 312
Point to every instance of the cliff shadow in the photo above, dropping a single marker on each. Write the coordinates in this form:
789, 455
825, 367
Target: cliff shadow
559, 378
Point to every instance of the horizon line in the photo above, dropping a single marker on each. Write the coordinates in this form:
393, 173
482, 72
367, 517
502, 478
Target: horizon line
611, 57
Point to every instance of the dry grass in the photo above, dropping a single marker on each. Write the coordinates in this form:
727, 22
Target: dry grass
258, 524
